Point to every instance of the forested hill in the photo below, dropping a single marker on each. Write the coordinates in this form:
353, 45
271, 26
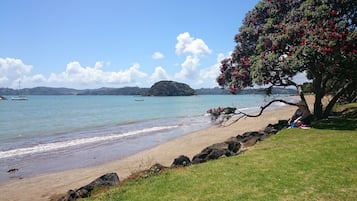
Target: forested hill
170, 88
126, 91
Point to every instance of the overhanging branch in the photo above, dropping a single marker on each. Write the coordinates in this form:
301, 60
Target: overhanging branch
262, 108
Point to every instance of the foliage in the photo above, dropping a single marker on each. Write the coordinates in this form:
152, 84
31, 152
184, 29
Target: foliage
217, 112
170, 88
295, 164
307, 87
280, 38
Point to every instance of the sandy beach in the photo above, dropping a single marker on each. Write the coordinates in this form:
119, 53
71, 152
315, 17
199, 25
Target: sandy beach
42, 187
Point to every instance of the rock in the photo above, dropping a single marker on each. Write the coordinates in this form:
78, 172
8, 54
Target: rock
181, 161
234, 146
156, 168
13, 170
110, 179
274, 128
218, 150
251, 138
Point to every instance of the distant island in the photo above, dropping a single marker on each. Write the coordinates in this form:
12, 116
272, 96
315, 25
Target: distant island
162, 88
170, 88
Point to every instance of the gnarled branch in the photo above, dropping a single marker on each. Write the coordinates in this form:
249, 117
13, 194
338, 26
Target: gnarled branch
262, 108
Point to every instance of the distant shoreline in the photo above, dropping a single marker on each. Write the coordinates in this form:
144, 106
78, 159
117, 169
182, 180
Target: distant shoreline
130, 91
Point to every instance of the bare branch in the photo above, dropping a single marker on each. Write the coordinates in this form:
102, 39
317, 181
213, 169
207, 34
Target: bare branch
261, 110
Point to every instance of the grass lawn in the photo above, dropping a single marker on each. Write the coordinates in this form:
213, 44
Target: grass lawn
295, 164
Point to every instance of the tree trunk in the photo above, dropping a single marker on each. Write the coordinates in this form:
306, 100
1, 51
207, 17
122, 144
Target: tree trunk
302, 96
319, 93
335, 98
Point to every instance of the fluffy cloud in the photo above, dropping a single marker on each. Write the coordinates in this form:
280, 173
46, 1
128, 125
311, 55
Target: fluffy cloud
12, 70
189, 45
213, 71
76, 73
188, 70
157, 55
195, 48
38, 78
159, 74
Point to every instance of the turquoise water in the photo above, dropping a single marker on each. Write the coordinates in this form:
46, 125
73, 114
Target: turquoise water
53, 133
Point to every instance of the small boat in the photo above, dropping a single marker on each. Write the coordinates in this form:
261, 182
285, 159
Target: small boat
3, 98
19, 97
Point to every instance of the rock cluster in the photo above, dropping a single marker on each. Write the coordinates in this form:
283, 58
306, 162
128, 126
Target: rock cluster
232, 146
107, 180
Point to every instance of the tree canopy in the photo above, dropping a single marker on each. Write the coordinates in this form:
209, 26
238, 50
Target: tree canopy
281, 38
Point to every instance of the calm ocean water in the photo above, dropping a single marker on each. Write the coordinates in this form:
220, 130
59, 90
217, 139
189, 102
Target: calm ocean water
54, 133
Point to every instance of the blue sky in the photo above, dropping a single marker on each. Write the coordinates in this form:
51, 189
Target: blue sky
115, 43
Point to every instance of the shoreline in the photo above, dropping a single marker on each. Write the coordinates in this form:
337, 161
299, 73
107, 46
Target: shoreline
44, 186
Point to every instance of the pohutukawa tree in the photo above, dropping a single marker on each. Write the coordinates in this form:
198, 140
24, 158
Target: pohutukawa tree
281, 38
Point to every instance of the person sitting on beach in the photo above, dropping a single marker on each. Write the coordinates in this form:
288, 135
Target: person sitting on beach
302, 116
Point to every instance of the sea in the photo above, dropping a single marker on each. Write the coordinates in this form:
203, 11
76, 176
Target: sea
47, 134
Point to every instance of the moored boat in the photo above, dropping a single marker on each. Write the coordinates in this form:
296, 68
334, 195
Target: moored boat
19, 98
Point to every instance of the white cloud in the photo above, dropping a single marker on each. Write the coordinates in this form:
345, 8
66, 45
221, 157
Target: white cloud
12, 70
188, 68
75, 73
189, 45
3, 80
208, 75
157, 55
159, 74
213, 71
38, 78
194, 48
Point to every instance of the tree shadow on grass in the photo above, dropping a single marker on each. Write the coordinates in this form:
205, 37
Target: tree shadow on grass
341, 122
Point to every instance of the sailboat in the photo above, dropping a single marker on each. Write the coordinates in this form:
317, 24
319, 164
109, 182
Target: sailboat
19, 97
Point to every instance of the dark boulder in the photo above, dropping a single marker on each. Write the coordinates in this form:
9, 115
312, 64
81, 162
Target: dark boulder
274, 128
251, 138
107, 180
70, 196
218, 150
181, 161
156, 168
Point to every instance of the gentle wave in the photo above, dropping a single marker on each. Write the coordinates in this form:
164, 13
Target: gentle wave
70, 143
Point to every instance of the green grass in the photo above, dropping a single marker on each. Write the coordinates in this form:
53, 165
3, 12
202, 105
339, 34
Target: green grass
295, 164
345, 120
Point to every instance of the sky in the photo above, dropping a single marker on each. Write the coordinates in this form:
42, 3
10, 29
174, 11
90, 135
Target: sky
86, 44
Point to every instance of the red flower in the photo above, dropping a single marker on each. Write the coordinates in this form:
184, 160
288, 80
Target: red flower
333, 12
327, 50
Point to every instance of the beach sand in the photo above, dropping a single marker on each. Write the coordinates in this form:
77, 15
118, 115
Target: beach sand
42, 187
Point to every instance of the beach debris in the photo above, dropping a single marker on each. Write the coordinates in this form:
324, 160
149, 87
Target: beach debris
181, 161
107, 180
13, 170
